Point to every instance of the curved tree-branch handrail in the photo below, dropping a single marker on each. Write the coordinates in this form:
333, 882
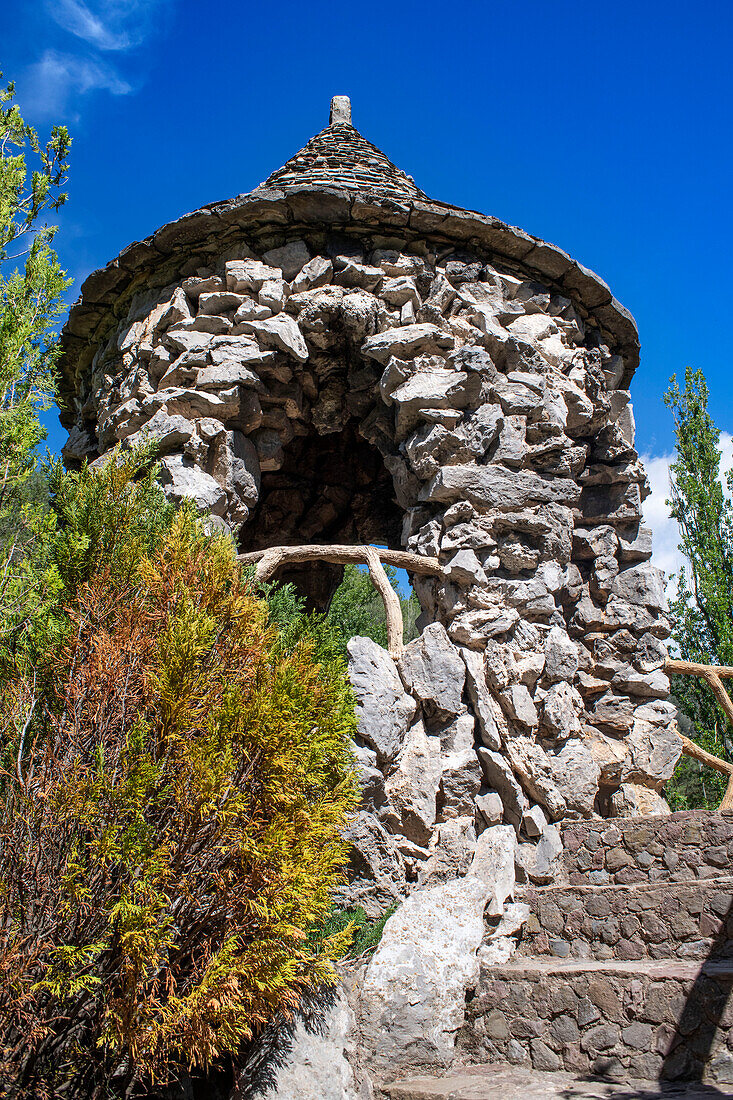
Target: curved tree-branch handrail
270, 560
714, 676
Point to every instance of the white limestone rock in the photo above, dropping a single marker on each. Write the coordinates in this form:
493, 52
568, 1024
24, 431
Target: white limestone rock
243, 276
460, 779
384, 709
490, 807
483, 705
316, 273
182, 480
561, 711
561, 655
406, 341
376, 872
432, 670
499, 775
495, 487
494, 865
317, 1066
412, 787
636, 800
290, 258
464, 568
280, 332
576, 774
413, 996
452, 849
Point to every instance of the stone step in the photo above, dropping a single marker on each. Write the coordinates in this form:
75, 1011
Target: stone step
614, 1019
662, 920
684, 846
494, 1082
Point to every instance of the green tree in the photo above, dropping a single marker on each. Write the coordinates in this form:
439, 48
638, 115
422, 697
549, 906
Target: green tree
702, 611
357, 608
32, 285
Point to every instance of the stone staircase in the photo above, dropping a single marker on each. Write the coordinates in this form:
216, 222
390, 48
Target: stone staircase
622, 979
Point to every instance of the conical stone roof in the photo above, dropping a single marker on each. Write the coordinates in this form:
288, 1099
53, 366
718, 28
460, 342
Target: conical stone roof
338, 179
340, 157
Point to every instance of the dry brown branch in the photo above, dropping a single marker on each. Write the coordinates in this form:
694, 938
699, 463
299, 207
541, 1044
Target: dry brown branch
712, 675
392, 606
270, 560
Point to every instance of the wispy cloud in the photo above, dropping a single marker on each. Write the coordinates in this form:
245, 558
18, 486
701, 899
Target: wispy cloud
107, 24
49, 85
54, 85
665, 532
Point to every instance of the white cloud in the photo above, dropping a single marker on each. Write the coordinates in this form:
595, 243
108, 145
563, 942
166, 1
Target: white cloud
665, 532
106, 24
49, 85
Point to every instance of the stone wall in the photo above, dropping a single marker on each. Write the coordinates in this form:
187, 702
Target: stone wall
351, 389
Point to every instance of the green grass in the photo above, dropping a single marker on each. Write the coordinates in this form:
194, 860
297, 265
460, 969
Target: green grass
366, 933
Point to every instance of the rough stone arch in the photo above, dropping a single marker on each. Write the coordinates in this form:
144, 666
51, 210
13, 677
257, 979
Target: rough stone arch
337, 307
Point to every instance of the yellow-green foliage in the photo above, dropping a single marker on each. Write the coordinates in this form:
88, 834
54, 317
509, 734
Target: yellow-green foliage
171, 831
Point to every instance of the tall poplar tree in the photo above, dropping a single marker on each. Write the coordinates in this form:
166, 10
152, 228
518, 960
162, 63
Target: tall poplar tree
703, 608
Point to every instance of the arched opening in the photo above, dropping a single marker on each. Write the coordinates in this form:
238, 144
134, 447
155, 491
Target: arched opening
332, 488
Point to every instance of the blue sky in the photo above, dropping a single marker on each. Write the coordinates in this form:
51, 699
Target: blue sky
602, 128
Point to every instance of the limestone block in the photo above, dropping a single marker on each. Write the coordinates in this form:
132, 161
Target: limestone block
376, 873
460, 779
290, 258
636, 800
451, 851
561, 711
490, 807
221, 301
183, 480
464, 568
494, 863
412, 787
316, 273
435, 388
280, 332
641, 585
500, 776
495, 487
400, 290
519, 706
250, 310
561, 656
352, 274
414, 989
432, 670
405, 342
542, 863
576, 774
533, 822
534, 769
272, 294
236, 467
384, 709
243, 276
168, 432
483, 705
316, 1065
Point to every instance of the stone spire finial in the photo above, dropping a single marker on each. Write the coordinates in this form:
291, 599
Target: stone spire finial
340, 110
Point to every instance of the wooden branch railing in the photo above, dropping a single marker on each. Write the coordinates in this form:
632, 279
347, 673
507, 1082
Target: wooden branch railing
270, 560
714, 676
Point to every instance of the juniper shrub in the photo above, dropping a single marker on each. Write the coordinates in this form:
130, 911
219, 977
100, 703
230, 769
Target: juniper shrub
172, 814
